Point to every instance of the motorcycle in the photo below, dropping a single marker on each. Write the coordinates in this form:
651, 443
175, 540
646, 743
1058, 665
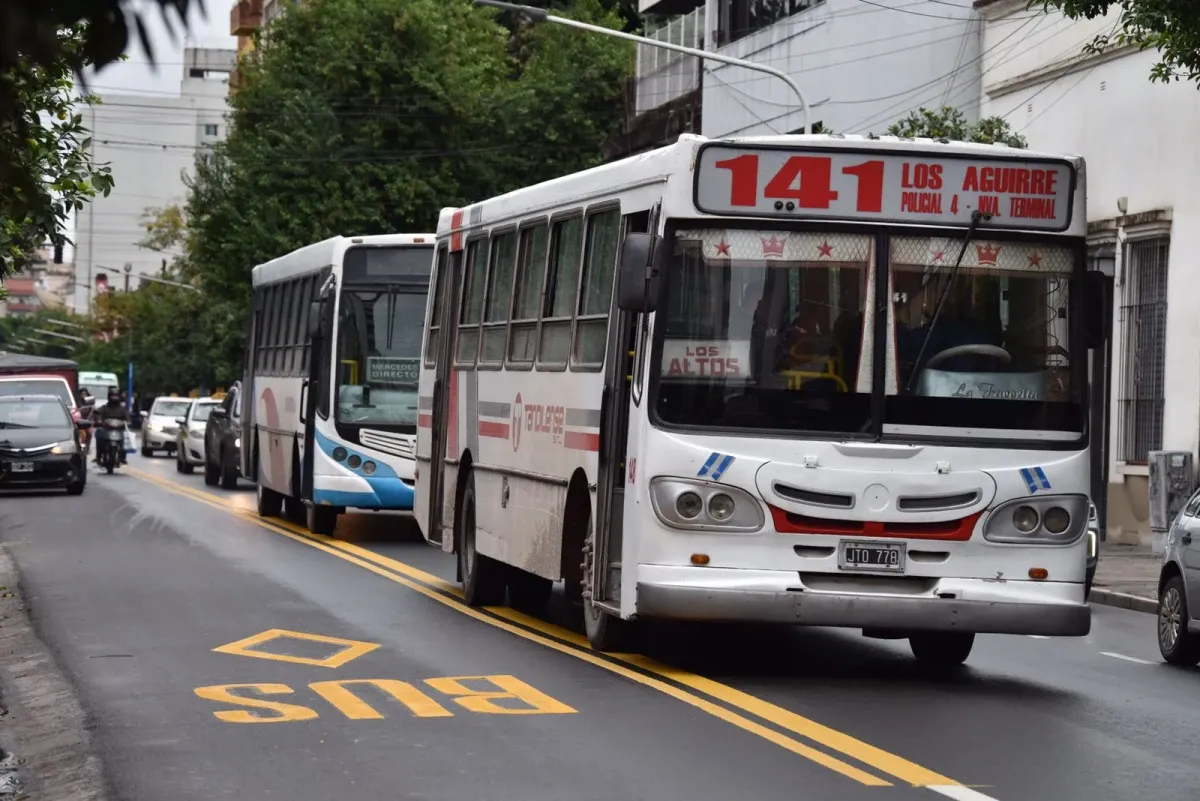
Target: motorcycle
110, 444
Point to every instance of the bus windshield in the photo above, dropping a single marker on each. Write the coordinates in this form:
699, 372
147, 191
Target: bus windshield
771, 329
378, 353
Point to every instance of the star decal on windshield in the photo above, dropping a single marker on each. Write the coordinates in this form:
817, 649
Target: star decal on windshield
825, 248
1035, 260
722, 247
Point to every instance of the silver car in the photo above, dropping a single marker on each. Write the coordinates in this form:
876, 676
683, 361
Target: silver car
189, 442
1179, 588
159, 430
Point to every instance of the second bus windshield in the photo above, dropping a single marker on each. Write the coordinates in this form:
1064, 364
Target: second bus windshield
775, 330
379, 345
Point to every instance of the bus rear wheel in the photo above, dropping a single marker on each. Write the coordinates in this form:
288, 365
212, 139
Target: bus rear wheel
605, 632
270, 502
483, 579
942, 648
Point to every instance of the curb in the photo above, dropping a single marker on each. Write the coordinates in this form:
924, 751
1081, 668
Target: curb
1122, 600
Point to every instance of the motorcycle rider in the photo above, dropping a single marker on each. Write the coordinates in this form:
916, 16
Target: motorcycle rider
113, 410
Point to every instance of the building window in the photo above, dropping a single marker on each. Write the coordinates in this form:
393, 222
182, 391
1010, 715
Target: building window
1143, 321
737, 19
211, 130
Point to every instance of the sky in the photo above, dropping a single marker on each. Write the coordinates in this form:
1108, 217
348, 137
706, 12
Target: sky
136, 75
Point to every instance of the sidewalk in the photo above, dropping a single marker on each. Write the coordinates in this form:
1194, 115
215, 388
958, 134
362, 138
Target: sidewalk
1127, 576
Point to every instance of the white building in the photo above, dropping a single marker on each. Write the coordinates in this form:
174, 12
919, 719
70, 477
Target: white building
1139, 141
862, 66
149, 141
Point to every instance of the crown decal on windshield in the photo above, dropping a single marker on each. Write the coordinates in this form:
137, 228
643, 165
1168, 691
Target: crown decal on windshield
773, 247
987, 254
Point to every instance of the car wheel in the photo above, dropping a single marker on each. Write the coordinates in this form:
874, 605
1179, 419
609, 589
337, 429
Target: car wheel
178, 462
1177, 645
942, 649
211, 473
77, 487
229, 472
147, 452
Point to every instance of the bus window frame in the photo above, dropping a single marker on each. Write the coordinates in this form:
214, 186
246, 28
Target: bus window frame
441, 257
461, 307
521, 228
540, 364
484, 325
592, 211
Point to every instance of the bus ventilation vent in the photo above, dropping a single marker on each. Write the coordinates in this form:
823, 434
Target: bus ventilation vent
835, 500
394, 444
937, 503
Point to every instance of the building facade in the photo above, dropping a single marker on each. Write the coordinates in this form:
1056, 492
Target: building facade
1139, 142
150, 143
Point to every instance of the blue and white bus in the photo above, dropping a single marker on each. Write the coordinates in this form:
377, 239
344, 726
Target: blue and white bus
332, 361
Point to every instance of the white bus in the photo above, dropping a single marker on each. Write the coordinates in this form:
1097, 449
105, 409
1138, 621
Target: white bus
841, 381
99, 385
329, 407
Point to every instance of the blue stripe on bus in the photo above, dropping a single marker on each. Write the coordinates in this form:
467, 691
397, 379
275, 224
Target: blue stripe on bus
386, 493
382, 469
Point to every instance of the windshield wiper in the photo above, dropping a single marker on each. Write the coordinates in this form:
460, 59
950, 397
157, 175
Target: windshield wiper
977, 217
14, 425
392, 292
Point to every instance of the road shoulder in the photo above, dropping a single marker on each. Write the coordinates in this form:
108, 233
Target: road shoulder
44, 724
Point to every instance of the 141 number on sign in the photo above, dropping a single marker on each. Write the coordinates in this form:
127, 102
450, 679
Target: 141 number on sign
815, 176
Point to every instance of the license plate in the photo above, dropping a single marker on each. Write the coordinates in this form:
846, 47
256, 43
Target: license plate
22, 467
884, 557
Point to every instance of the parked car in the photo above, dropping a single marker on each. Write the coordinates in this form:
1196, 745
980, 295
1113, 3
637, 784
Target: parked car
160, 429
189, 442
1179, 588
223, 441
42, 385
40, 446
1093, 557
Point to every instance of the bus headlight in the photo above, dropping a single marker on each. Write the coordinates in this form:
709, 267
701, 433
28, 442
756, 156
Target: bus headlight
1053, 520
368, 468
686, 503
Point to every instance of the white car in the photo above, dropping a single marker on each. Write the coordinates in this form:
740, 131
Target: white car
160, 429
189, 442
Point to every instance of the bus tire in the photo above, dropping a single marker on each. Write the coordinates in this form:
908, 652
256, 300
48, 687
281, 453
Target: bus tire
483, 578
605, 632
229, 472
942, 648
270, 502
320, 519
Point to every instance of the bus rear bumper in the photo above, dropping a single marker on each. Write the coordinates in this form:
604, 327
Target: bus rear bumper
771, 596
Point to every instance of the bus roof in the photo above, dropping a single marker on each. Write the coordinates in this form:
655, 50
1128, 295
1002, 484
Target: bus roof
319, 255
656, 166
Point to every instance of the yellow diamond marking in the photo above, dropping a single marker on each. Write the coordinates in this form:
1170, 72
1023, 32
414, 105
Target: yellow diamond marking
346, 649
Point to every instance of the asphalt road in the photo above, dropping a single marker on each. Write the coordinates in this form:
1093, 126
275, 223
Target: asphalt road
145, 586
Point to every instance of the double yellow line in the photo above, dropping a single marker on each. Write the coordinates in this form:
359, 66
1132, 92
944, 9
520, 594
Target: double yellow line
690, 688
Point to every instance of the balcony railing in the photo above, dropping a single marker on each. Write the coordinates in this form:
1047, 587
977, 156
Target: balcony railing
664, 75
245, 17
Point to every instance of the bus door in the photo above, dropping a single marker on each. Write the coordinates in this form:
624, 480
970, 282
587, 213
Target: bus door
616, 402
449, 267
249, 396
315, 385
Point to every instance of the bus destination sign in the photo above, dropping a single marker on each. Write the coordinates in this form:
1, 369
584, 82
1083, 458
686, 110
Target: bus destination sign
391, 371
922, 188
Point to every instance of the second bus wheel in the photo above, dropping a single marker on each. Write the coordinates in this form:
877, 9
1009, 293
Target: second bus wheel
483, 579
605, 631
321, 519
270, 502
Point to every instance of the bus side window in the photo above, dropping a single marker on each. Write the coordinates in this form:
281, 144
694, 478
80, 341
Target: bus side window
272, 330
286, 327
527, 290
435, 310
300, 351
472, 302
595, 296
562, 285
499, 296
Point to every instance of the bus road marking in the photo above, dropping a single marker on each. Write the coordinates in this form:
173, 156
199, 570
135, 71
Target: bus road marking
636, 668
1127, 658
501, 695
341, 650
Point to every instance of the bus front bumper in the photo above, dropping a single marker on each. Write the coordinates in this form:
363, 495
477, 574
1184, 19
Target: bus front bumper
951, 604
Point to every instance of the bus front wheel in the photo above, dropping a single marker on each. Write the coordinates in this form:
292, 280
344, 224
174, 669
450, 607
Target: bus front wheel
483, 579
942, 648
605, 632
320, 519
270, 502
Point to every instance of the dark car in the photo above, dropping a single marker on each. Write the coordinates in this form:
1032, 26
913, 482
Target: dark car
223, 441
40, 445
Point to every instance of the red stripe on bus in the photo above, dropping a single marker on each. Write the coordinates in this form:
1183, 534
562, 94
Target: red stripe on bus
456, 239
581, 441
488, 428
424, 420
948, 530
452, 433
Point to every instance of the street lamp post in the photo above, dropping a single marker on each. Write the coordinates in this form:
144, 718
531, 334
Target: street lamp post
541, 15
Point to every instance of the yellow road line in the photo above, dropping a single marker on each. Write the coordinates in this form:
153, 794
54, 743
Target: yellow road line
572, 643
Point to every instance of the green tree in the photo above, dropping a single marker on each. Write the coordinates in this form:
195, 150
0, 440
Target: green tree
1172, 27
950, 123
45, 151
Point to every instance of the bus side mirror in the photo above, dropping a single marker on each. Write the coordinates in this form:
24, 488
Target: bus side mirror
1097, 304
639, 277
314, 318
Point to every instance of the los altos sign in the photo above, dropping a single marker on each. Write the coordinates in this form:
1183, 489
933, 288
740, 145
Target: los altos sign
863, 185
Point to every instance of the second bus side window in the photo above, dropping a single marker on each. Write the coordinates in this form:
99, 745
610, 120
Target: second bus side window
495, 313
531, 268
599, 264
472, 301
561, 287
